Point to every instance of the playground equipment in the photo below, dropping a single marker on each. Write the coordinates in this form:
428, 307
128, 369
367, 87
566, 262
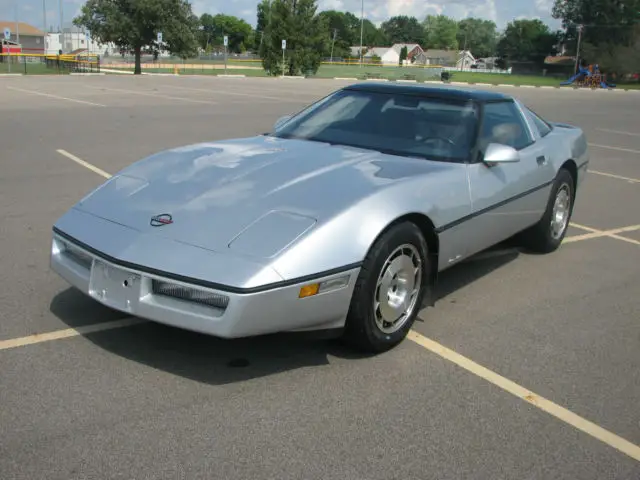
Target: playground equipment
589, 76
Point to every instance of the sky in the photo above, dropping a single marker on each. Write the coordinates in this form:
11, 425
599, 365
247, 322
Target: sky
500, 11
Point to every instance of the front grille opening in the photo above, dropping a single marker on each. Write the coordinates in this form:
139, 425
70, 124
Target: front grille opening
189, 294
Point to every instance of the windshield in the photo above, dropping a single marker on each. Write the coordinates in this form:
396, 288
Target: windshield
395, 123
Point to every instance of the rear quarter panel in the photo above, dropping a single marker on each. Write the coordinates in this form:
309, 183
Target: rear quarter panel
571, 143
565, 142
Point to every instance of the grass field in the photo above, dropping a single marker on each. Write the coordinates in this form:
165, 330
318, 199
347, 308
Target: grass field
253, 69
28, 68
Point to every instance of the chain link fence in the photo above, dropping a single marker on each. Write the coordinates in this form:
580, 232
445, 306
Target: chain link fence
38, 64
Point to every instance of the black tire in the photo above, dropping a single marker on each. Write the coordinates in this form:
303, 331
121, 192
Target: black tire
540, 238
362, 330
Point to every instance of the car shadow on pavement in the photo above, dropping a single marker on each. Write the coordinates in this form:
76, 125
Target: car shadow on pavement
476, 267
196, 356
218, 361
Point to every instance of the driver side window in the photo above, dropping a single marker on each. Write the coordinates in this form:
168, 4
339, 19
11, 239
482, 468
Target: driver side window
502, 123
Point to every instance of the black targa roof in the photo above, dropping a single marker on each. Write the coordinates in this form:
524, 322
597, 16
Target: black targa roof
444, 92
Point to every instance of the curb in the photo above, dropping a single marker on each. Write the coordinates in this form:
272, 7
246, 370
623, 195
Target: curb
222, 75
123, 72
11, 74
86, 74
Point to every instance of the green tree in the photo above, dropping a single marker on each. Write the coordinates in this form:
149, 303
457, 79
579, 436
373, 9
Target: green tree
605, 21
404, 53
479, 36
338, 22
440, 32
610, 31
347, 28
134, 25
305, 32
263, 18
526, 41
614, 58
214, 28
372, 35
618, 59
403, 29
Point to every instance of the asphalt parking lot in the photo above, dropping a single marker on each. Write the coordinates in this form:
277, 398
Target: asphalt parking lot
528, 366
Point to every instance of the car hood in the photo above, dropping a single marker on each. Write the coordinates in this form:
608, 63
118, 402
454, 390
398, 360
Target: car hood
211, 192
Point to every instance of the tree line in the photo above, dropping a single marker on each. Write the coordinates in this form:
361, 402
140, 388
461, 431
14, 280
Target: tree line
608, 33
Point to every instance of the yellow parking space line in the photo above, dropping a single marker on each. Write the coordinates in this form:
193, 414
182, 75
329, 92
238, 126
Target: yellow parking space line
585, 236
156, 95
619, 177
619, 149
604, 233
625, 239
584, 227
57, 97
532, 398
619, 132
79, 161
68, 332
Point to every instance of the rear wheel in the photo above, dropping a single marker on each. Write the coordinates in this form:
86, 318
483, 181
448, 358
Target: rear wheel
389, 290
547, 235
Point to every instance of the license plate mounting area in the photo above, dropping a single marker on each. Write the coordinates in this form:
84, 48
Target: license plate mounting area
114, 287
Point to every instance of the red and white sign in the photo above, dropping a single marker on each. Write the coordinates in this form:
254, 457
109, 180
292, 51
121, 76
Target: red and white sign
11, 48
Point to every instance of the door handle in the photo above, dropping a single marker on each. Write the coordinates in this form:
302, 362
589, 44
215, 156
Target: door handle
541, 160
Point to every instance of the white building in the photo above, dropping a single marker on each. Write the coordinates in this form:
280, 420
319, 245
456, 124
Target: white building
417, 56
73, 39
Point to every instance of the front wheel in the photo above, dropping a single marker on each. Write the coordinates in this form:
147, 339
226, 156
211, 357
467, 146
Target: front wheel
389, 290
547, 235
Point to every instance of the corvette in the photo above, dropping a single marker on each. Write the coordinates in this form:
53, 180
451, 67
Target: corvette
341, 217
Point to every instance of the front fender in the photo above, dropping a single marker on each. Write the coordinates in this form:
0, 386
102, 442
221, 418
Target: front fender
343, 240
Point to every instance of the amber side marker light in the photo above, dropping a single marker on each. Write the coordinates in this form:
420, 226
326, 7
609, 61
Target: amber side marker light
325, 286
309, 290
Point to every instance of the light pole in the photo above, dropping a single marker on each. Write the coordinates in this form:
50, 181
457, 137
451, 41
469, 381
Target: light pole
361, 29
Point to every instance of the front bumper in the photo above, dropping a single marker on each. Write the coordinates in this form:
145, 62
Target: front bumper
217, 312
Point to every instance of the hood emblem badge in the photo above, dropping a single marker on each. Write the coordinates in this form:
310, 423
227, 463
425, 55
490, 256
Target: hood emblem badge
160, 220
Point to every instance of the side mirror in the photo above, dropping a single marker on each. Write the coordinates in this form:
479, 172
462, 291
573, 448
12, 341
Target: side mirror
499, 153
281, 121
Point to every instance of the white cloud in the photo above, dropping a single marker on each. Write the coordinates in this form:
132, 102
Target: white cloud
544, 6
500, 11
331, 5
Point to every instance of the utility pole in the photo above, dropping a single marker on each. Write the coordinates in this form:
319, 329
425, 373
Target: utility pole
361, 30
464, 52
61, 26
17, 26
335, 31
578, 47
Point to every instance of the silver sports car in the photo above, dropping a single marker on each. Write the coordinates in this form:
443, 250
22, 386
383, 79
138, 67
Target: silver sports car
340, 218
